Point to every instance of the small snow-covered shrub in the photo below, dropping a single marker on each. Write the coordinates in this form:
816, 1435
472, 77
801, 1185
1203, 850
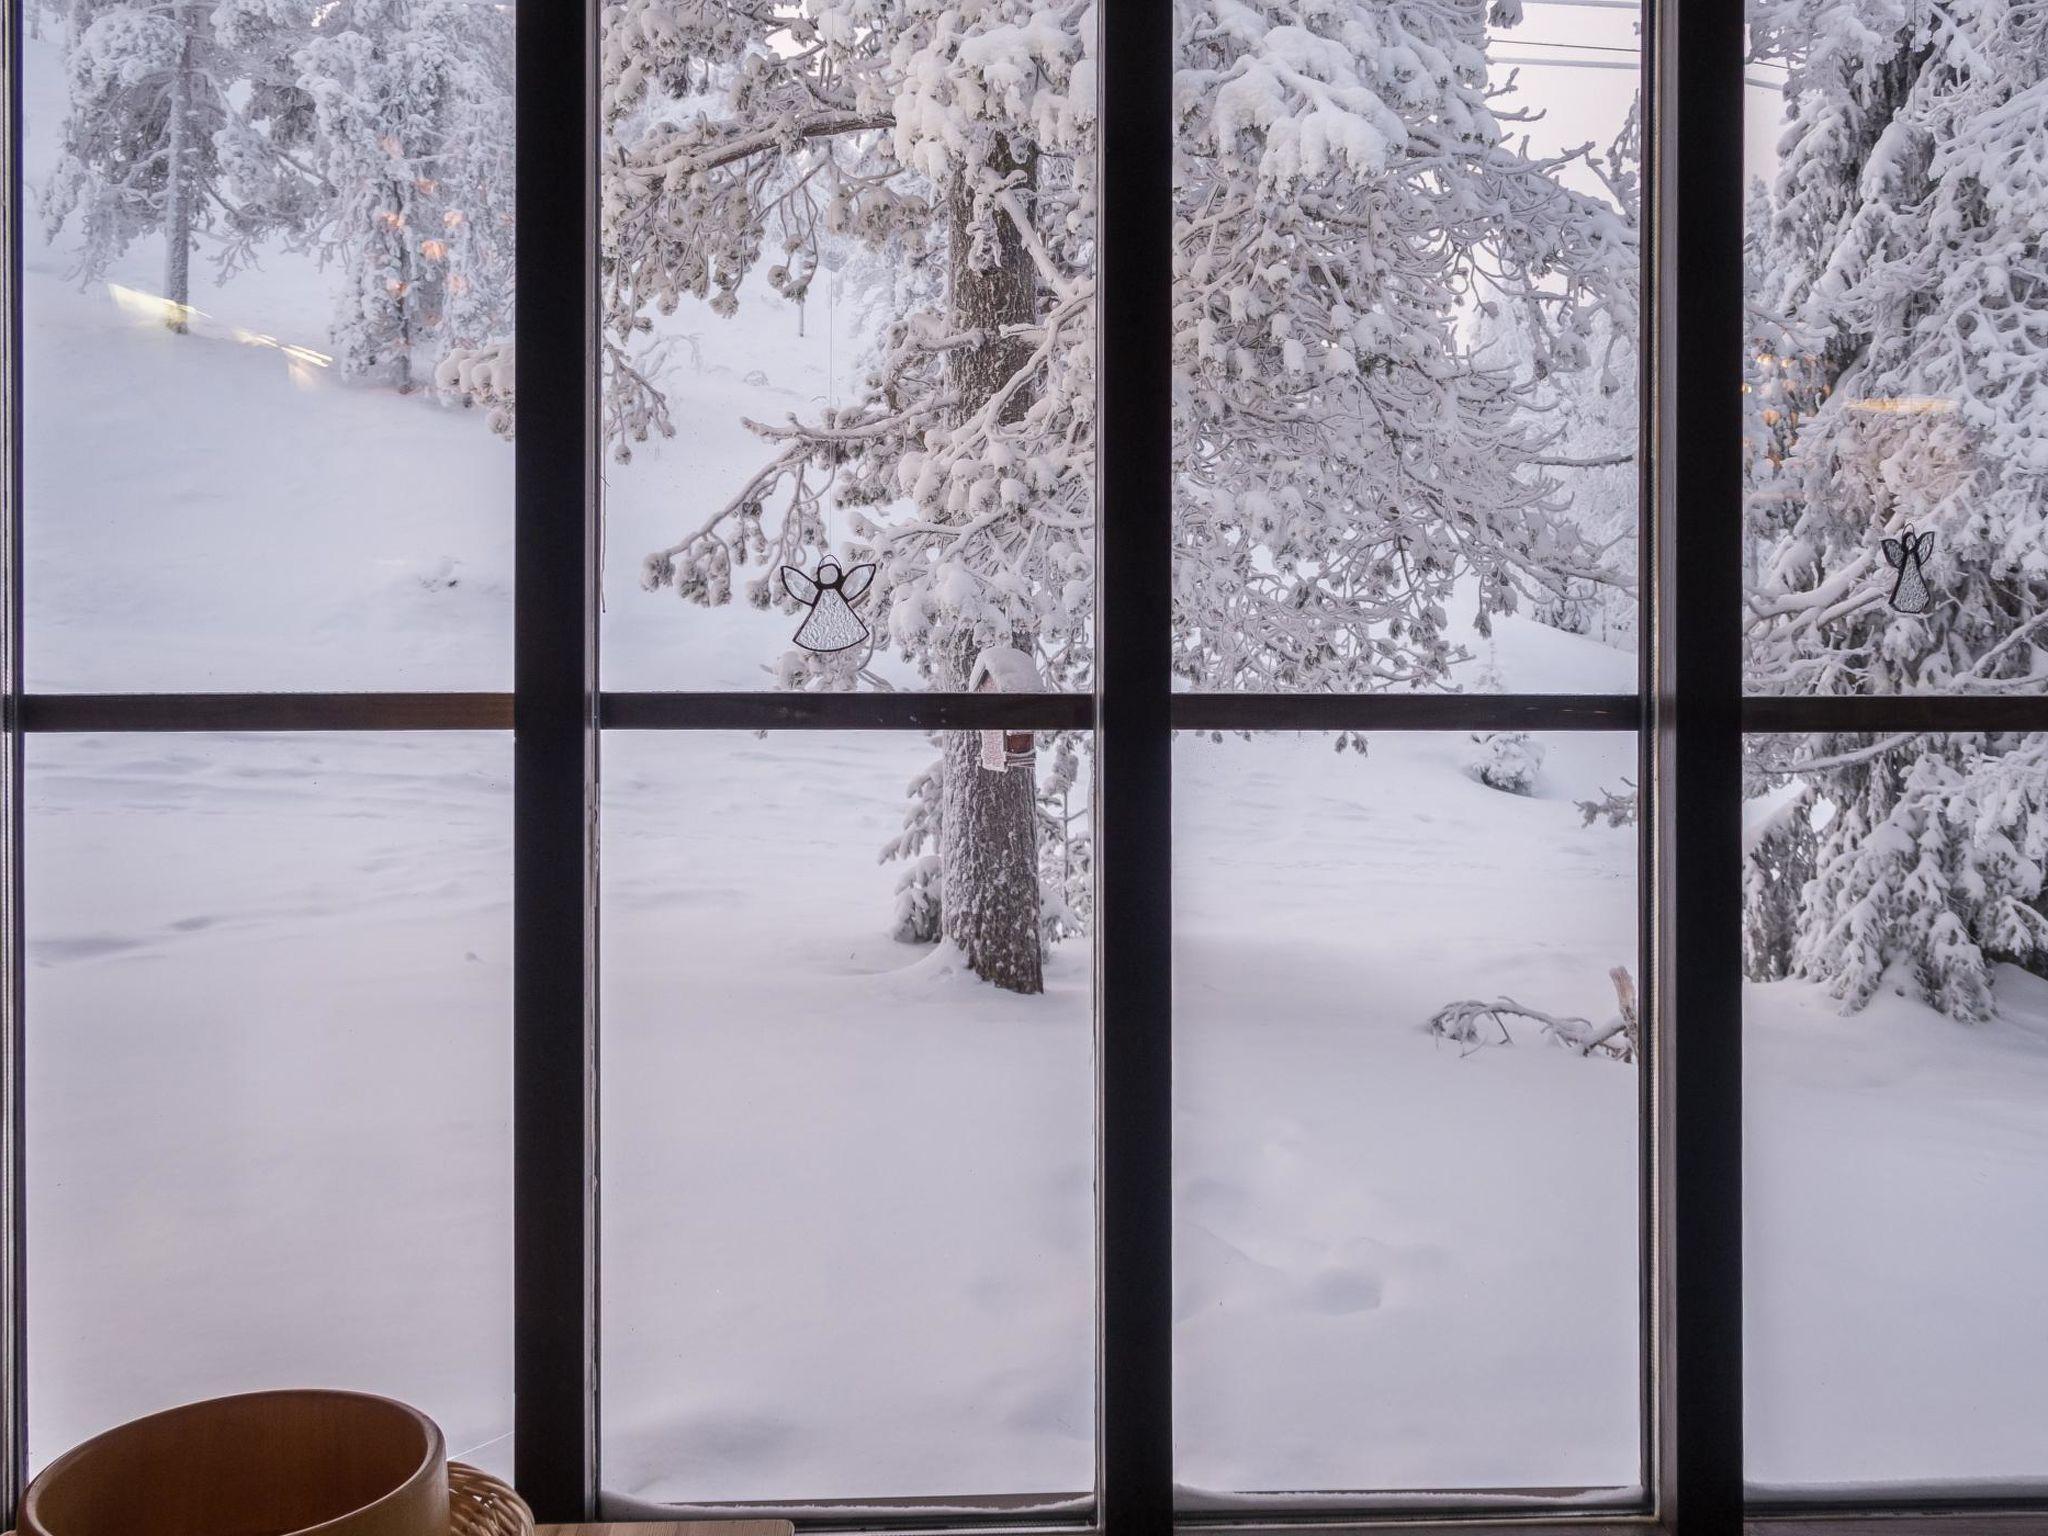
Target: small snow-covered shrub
1507, 760
917, 903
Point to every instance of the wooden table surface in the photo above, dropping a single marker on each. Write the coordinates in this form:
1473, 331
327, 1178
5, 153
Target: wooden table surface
674, 1528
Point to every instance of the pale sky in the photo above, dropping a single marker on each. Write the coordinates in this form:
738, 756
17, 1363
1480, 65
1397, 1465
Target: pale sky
1579, 63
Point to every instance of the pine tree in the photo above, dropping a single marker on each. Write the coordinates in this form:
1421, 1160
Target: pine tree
182, 121
413, 105
1345, 459
1898, 379
960, 145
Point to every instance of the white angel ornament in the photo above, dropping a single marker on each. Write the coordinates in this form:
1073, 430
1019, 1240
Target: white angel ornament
831, 625
1908, 556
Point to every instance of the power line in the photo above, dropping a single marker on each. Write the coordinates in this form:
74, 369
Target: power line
1531, 42
1577, 64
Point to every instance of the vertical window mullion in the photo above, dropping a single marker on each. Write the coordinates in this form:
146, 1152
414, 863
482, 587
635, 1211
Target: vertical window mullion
1134, 910
554, 772
13, 1223
1698, 340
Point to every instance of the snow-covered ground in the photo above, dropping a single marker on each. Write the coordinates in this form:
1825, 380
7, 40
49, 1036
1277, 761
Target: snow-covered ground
848, 1239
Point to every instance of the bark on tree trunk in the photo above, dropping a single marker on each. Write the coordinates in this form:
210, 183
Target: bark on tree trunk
178, 182
990, 897
989, 837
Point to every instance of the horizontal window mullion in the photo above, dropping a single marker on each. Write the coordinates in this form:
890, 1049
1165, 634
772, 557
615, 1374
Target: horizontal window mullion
926, 1514
113, 712
1508, 1522
1406, 712
1880, 1518
846, 711
1773, 714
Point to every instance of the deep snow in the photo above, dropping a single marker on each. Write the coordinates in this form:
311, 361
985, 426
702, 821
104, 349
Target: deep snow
848, 1209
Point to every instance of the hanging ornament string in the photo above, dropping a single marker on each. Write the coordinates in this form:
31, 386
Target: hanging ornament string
830, 624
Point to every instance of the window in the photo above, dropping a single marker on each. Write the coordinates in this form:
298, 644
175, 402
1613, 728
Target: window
1131, 796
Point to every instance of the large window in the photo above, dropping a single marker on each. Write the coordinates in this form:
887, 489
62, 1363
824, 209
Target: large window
1226, 764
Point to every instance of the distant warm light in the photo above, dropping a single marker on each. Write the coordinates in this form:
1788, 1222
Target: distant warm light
452, 219
150, 306
434, 250
1904, 405
153, 307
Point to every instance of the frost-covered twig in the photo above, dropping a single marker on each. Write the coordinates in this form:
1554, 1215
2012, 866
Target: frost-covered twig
1467, 1022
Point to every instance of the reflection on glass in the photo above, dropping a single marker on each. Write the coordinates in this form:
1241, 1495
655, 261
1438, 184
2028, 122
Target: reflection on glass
848, 313
276, 245
1894, 372
1896, 1112
1406, 1135
269, 1075
848, 1239
1405, 348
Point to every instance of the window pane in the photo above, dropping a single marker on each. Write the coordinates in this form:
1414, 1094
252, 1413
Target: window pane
848, 1227
1406, 1178
269, 1075
848, 316
1896, 1113
1405, 342
1894, 372
275, 242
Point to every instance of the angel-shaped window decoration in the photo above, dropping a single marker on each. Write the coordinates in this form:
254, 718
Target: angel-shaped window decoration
831, 625
1908, 556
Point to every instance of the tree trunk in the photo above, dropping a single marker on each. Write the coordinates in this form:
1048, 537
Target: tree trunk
178, 181
989, 835
990, 897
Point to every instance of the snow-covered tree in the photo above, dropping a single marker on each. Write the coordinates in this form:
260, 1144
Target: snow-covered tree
961, 143
182, 119
1345, 188
1900, 280
1927, 867
413, 104
1343, 184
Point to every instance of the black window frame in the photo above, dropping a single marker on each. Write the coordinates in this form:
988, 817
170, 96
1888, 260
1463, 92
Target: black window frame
1689, 713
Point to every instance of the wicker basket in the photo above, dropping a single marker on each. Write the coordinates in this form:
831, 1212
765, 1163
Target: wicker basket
480, 1505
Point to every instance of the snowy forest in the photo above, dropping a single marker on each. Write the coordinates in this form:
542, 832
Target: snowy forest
846, 255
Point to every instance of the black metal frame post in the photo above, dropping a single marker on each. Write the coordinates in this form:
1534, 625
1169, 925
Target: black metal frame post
1134, 758
1696, 367
554, 922
13, 1209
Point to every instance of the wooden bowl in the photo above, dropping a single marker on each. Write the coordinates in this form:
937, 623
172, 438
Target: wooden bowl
262, 1464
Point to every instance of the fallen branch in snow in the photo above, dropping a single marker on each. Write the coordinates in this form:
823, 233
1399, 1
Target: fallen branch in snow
1466, 1022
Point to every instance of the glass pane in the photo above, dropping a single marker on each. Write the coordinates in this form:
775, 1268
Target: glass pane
848, 1244
1896, 1113
269, 1075
1405, 342
1406, 1152
849, 317
1893, 374
273, 261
